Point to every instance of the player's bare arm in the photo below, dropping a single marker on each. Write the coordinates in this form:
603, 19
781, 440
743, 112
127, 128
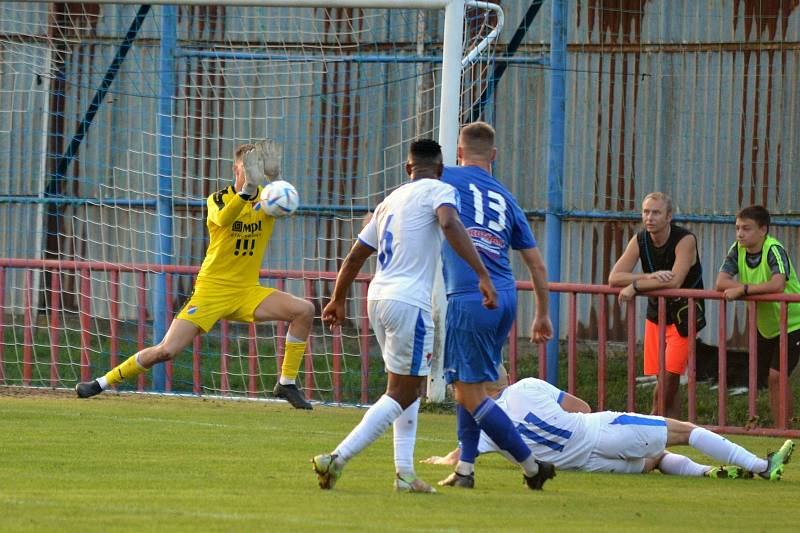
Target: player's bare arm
622, 273
334, 312
734, 290
457, 236
541, 327
447, 460
685, 258
573, 404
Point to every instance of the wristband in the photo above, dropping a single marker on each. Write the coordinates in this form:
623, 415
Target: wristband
746, 289
635, 287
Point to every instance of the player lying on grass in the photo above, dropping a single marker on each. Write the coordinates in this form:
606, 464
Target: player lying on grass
561, 428
227, 285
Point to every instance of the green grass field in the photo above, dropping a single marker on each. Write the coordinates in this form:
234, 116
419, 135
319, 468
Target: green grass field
131, 462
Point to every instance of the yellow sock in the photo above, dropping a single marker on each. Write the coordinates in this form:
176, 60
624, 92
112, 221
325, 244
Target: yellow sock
130, 368
292, 358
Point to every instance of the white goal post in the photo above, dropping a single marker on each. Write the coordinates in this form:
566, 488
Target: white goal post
122, 163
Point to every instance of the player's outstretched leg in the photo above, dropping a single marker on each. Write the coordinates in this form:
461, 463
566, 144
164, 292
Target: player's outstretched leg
128, 369
777, 460
546, 471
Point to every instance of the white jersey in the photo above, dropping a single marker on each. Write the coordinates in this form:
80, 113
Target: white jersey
405, 232
553, 434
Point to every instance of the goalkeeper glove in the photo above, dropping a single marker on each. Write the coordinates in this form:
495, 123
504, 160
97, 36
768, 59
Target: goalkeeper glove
253, 173
271, 153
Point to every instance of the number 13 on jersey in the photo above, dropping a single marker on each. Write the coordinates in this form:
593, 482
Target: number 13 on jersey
496, 203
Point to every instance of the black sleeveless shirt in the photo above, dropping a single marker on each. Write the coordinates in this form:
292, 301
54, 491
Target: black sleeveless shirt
655, 258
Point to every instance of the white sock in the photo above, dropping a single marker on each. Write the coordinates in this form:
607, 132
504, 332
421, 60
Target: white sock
376, 420
679, 465
529, 466
405, 435
725, 451
103, 382
465, 469
285, 381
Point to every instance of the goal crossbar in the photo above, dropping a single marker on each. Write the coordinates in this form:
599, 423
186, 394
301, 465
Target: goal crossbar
377, 4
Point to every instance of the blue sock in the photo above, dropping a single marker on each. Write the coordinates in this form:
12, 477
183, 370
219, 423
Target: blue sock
468, 434
501, 430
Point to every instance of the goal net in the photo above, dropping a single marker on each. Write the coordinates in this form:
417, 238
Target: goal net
117, 121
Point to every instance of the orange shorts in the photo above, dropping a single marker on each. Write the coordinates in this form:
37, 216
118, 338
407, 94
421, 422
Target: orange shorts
677, 353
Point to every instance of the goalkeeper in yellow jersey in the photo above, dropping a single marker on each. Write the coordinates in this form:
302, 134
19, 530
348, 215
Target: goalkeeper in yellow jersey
228, 283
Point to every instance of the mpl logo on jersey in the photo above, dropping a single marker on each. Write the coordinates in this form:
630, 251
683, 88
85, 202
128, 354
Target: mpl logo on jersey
486, 241
241, 227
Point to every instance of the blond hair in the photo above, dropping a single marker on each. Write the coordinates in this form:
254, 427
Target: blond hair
477, 141
241, 150
660, 196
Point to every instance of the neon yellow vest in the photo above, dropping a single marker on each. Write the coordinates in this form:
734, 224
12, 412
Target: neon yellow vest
769, 313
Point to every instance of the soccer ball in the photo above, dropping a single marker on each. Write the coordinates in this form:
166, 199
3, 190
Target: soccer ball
279, 198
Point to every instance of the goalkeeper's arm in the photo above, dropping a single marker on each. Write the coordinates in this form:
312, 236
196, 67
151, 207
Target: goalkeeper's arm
223, 211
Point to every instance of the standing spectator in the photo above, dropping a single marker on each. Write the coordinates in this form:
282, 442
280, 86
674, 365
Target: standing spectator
670, 260
764, 267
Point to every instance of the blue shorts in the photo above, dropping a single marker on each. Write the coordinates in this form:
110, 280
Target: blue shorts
474, 336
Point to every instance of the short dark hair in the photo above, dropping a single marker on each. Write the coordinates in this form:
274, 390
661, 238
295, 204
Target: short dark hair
758, 213
425, 153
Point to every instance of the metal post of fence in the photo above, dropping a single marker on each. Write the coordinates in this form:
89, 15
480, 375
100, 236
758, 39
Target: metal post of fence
631, 353
27, 340
166, 93
662, 356
55, 311
85, 319
309, 358
572, 343
602, 324
692, 362
2, 323
555, 168
722, 374
752, 360
142, 320
783, 379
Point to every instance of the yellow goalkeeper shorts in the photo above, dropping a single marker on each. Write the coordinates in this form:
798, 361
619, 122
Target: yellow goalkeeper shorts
209, 303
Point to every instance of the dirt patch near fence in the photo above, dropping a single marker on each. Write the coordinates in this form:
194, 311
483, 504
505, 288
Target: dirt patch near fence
33, 392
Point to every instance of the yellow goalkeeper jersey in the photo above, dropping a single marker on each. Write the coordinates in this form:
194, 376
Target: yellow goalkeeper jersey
239, 232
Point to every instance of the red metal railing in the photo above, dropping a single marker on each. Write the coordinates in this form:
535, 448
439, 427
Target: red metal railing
573, 289
56, 268
83, 268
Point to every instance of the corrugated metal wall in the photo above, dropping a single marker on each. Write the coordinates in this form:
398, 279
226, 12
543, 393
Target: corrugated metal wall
698, 99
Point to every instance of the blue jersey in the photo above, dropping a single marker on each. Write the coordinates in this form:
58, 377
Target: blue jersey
494, 221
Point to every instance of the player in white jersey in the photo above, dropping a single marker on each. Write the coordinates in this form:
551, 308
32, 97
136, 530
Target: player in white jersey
406, 230
559, 428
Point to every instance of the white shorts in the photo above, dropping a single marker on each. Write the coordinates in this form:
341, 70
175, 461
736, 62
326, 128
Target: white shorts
405, 334
625, 441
